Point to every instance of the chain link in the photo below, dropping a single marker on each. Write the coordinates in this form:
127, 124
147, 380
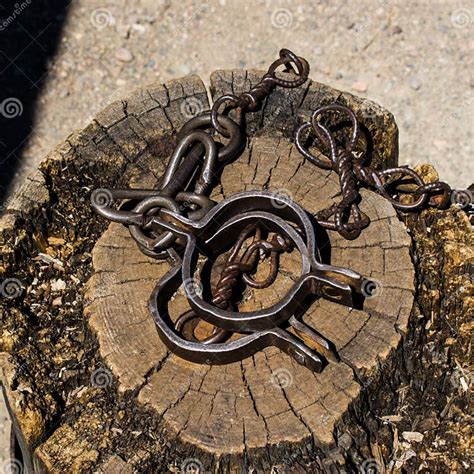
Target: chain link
183, 191
196, 150
345, 216
250, 101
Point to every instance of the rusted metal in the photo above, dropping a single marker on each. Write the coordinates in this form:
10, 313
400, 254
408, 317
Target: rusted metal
251, 99
345, 217
265, 327
179, 221
234, 268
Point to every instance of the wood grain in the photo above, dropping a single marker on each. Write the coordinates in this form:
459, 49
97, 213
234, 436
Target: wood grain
266, 399
259, 412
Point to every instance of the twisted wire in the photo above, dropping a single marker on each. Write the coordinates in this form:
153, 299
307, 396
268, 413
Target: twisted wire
345, 216
235, 267
251, 99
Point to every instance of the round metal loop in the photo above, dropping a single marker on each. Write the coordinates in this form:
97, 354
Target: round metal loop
153, 244
420, 201
228, 98
348, 229
439, 201
271, 277
325, 135
287, 57
204, 121
351, 230
324, 164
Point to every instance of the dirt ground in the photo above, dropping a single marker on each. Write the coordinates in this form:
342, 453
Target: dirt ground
415, 58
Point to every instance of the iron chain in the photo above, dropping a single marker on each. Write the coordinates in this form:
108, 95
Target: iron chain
166, 222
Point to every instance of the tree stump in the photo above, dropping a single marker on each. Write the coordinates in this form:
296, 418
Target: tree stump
90, 385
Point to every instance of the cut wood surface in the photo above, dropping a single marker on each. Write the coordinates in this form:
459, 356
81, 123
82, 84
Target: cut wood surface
266, 399
164, 409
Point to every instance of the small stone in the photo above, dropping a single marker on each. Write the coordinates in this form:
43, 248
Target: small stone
58, 285
124, 55
415, 83
413, 436
150, 63
396, 30
139, 28
57, 301
359, 86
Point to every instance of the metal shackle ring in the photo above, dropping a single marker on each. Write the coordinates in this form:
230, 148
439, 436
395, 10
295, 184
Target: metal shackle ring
395, 203
232, 99
154, 245
210, 160
326, 136
204, 121
287, 57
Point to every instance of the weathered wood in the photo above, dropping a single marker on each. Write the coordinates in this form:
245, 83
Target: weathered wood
286, 108
241, 406
90, 383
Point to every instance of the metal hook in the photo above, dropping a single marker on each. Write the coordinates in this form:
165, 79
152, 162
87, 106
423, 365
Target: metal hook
181, 170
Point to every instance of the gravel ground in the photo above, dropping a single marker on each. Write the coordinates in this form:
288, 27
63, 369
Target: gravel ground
415, 58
